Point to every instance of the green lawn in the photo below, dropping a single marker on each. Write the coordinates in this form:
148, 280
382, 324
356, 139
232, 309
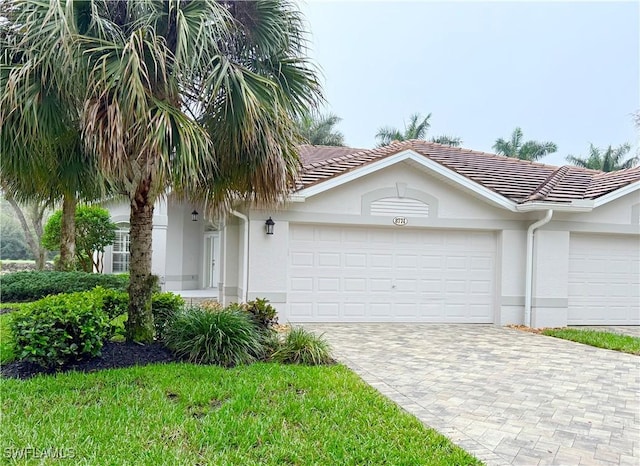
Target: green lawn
608, 340
6, 339
176, 414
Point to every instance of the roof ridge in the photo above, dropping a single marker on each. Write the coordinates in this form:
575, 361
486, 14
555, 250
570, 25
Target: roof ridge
513, 160
549, 184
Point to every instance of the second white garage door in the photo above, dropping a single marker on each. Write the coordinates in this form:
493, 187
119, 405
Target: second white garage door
604, 280
354, 274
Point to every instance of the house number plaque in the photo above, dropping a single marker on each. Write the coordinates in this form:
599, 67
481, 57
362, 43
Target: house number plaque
400, 221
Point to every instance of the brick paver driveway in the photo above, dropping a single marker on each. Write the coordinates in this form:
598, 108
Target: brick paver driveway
506, 396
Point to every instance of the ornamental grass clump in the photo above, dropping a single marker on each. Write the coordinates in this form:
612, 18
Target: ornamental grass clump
303, 347
228, 337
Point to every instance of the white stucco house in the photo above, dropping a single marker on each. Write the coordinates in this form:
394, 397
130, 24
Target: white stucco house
416, 232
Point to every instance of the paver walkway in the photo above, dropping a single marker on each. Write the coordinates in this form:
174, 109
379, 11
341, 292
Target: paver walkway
506, 396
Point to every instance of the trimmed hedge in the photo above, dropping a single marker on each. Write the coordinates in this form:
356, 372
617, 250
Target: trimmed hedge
62, 329
67, 327
31, 286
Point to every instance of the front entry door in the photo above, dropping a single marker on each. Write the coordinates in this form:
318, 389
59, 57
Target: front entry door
210, 265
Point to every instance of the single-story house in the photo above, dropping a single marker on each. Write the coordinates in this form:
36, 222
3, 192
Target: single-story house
416, 232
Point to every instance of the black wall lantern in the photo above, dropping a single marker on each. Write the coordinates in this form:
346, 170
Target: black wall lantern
269, 226
194, 216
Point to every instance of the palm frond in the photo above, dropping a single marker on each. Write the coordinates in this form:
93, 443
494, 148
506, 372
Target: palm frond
608, 160
452, 141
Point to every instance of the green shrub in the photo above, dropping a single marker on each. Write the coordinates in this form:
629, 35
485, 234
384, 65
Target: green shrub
31, 286
164, 306
228, 337
61, 329
114, 303
263, 313
302, 347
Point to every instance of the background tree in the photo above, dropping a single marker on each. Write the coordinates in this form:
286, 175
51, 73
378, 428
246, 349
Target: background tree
517, 148
30, 217
319, 130
94, 232
42, 159
416, 129
453, 141
606, 160
198, 96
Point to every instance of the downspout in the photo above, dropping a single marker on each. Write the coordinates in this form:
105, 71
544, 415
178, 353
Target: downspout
245, 266
529, 265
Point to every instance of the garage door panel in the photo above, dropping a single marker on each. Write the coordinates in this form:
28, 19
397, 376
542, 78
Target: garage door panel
328, 259
300, 310
391, 275
406, 310
304, 259
407, 261
304, 284
604, 280
354, 310
355, 260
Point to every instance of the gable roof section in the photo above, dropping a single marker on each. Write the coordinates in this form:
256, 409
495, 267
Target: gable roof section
516, 180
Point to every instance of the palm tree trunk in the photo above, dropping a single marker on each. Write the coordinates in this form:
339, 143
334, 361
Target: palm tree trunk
139, 326
68, 233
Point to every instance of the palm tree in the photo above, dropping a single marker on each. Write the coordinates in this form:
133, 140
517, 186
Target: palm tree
194, 96
416, 129
41, 156
608, 160
529, 150
319, 129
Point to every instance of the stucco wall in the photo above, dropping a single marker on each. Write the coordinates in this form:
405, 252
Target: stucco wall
550, 279
268, 260
184, 245
618, 216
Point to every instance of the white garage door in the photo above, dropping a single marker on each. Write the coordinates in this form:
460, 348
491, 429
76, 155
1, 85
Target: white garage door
347, 274
604, 280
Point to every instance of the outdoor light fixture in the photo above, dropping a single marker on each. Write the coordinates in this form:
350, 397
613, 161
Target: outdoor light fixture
269, 226
194, 216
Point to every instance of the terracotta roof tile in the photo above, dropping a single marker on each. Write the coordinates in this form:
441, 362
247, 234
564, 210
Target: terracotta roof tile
603, 183
518, 180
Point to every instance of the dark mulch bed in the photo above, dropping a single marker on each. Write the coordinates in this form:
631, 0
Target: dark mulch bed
115, 355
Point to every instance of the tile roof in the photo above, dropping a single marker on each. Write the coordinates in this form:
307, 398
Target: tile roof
518, 180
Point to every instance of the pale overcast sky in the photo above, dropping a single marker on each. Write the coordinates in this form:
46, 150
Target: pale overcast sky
566, 72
